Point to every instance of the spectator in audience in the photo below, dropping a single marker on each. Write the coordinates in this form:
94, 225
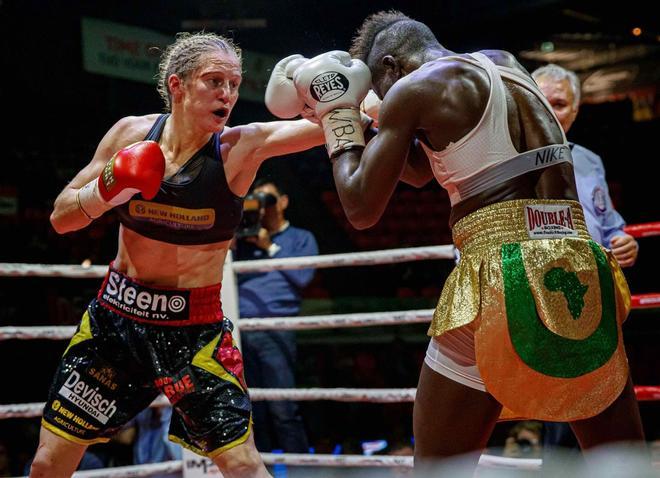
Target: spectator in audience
148, 432
270, 355
524, 440
562, 89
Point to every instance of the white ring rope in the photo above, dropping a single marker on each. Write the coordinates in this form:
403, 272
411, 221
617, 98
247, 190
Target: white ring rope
300, 459
371, 395
308, 459
310, 322
375, 395
133, 471
382, 461
52, 332
368, 258
361, 319
388, 256
71, 271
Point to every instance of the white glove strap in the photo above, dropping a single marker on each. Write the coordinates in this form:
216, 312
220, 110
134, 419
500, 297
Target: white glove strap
90, 201
343, 130
366, 121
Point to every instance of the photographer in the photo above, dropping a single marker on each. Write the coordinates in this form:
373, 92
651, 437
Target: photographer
270, 355
524, 440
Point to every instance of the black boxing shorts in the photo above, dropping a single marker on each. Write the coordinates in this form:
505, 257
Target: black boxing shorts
126, 352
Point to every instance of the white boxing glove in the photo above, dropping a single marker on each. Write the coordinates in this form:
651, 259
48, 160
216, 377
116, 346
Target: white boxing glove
281, 96
333, 85
371, 106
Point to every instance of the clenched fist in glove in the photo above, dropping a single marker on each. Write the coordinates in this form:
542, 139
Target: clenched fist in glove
333, 85
281, 96
137, 168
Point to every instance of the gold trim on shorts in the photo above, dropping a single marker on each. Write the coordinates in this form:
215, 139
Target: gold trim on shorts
213, 453
68, 437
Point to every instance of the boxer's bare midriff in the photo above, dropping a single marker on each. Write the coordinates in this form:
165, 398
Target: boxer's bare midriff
169, 265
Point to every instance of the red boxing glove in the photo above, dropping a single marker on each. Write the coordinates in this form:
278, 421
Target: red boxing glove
138, 167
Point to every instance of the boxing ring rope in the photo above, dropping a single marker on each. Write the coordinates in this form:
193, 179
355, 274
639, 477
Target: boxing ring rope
361, 319
644, 229
297, 323
390, 256
373, 461
645, 393
58, 332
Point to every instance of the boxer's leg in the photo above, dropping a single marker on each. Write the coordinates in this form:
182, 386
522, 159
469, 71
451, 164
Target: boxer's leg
242, 460
619, 423
213, 416
97, 388
453, 414
450, 418
55, 457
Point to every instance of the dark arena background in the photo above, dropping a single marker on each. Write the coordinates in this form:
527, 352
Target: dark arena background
71, 69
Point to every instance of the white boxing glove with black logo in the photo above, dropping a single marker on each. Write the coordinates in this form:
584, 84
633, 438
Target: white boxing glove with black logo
333, 85
281, 96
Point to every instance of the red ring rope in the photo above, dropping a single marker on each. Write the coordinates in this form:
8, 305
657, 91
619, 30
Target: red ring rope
644, 229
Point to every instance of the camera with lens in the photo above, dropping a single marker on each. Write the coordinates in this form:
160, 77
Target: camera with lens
254, 205
525, 446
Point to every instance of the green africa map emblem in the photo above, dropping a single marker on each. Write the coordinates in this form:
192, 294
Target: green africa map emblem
542, 349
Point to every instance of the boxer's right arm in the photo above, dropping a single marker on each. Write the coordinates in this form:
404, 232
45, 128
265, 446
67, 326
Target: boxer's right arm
417, 171
366, 179
67, 213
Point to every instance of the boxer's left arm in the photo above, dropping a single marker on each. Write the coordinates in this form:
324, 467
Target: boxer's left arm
265, 140
277, 138
250, 145
259, 141
367, 178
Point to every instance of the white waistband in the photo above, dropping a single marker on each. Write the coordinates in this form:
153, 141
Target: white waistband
528, 161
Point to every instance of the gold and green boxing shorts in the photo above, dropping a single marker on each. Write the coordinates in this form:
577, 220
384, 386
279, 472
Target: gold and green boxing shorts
548, 304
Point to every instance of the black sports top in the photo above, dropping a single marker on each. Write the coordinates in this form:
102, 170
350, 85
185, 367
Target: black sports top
194, 206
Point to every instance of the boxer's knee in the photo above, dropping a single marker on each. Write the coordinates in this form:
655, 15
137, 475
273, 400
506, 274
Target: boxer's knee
242, 460
45, 464
55, 457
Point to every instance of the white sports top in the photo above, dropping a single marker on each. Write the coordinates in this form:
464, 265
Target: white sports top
486, 156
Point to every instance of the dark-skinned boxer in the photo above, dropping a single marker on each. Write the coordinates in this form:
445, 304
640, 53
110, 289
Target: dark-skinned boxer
530, 319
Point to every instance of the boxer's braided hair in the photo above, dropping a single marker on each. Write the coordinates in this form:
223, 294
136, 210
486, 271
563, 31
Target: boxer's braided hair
185, 55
